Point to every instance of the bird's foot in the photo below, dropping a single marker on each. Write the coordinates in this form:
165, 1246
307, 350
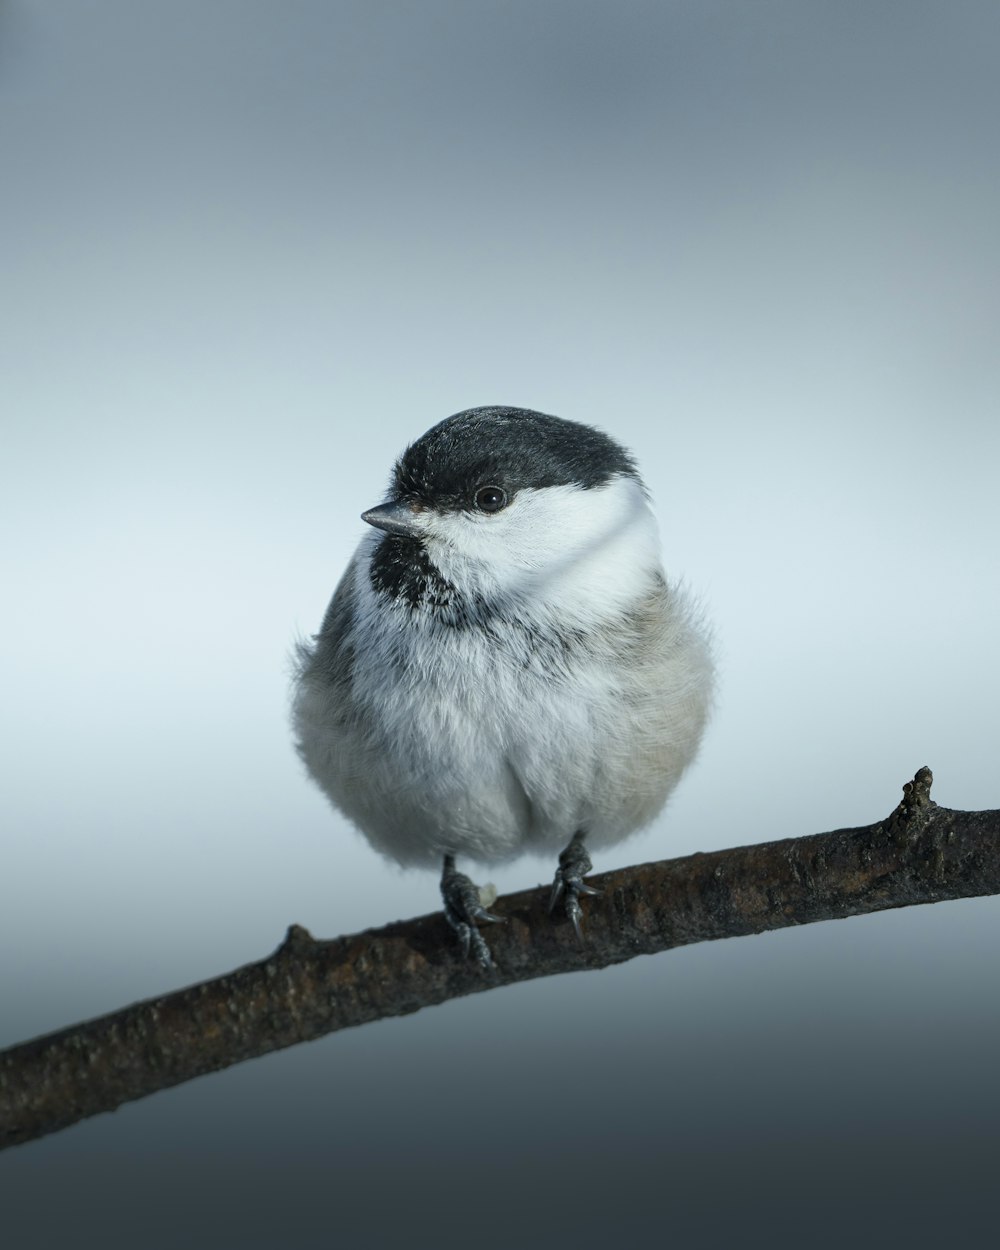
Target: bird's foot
463, 907
574, 864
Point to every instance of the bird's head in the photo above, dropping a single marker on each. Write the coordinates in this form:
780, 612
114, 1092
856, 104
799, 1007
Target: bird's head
506, 504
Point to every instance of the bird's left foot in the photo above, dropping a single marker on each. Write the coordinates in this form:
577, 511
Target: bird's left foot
574, 864
463, 906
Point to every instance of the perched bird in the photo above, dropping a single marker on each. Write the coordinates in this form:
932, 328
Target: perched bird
503, 667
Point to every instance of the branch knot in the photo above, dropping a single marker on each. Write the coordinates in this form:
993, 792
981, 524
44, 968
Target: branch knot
916, 804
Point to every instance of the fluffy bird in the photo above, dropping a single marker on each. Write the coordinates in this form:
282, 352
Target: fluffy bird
504, 668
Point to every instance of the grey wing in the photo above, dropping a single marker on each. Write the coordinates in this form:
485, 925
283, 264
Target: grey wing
653, 729
330, 653
325, 716
674, 672
323, 709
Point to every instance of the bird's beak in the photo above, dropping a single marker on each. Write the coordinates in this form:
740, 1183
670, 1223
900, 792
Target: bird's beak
394, 518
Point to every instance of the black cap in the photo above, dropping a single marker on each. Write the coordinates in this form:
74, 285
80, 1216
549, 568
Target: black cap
513, 448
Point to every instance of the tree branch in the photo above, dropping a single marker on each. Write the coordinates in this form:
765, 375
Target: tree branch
922, 853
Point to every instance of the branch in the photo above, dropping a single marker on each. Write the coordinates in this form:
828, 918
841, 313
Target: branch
922, 853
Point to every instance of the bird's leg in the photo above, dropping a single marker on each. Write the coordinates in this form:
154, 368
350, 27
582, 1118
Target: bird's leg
463, 906
574, 864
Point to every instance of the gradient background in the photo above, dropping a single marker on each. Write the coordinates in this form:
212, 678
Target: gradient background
249, 250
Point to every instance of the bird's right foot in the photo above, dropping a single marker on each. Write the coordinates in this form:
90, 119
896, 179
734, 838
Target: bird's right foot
574, 864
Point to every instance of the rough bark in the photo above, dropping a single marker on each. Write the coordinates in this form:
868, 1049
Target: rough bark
922, 853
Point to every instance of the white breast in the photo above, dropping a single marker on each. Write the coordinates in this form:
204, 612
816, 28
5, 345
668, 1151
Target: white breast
577, 707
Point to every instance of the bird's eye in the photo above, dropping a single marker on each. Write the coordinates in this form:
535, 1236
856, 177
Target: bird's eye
491, 499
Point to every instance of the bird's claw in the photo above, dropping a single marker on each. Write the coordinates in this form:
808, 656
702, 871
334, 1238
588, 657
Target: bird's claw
574, 864
462, 909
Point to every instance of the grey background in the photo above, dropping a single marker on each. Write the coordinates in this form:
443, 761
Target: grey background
248, 251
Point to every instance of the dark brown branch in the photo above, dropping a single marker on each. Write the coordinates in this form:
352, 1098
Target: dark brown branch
921, 854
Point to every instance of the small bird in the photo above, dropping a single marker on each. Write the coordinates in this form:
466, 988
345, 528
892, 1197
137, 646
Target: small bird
503, 668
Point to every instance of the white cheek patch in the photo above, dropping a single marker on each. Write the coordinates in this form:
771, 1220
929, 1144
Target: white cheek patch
561, 547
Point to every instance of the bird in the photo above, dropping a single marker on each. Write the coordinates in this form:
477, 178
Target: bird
503, 668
